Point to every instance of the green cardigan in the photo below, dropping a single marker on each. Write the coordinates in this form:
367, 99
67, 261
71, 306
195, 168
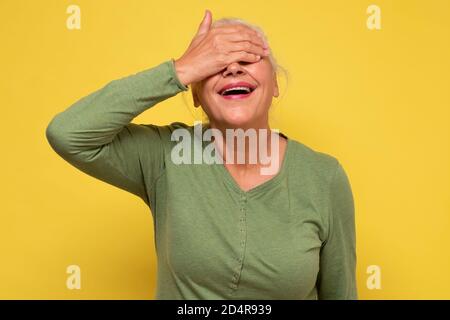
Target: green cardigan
291, 237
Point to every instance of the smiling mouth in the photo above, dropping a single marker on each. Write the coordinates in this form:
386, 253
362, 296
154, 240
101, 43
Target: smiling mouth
234, 94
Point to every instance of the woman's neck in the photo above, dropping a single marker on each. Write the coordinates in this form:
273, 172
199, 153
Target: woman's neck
249, 148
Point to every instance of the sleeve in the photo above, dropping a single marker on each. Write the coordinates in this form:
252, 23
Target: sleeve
95, 134
337, 270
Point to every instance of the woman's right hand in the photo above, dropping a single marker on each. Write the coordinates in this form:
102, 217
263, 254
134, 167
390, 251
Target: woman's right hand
212, 50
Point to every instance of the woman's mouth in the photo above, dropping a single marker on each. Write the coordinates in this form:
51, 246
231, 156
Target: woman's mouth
239, 90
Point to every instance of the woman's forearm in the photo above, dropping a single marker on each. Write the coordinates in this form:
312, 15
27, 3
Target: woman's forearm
96, 119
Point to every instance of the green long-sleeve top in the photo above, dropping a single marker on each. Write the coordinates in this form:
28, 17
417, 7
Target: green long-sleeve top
291, 237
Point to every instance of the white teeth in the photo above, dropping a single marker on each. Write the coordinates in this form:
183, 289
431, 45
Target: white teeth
238, 88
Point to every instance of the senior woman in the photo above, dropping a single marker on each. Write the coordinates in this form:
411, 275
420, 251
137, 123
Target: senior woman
223, 230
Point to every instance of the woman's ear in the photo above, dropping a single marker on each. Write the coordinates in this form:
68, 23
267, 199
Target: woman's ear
195, 99
276, 91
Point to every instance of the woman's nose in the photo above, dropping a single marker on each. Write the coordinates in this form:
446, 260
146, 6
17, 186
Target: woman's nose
234, 69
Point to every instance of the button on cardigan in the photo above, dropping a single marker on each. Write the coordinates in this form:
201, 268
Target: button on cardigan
291, 237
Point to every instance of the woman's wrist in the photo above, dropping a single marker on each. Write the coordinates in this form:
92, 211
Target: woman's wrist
182, 72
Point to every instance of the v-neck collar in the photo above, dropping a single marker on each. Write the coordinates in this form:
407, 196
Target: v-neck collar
228, 178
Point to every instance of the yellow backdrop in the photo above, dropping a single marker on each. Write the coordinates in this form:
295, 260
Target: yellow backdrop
377, 99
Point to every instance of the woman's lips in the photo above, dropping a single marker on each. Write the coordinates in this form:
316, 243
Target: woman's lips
237, 96
241, 86
237, 84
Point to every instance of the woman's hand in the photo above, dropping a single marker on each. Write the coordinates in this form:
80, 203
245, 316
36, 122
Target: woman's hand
212, 50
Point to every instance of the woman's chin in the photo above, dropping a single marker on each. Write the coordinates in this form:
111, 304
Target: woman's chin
238, 120
236, 115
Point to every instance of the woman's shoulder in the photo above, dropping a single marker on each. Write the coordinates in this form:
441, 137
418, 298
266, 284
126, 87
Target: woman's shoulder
306, 160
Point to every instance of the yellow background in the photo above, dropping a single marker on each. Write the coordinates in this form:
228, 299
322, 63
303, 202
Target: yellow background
377, 100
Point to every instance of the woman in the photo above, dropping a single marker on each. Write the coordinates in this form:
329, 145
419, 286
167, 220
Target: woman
222, 230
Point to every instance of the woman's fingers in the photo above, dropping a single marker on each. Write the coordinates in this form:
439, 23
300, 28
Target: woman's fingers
242, 38
205, 25
243, 56
248, 47
240, 33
